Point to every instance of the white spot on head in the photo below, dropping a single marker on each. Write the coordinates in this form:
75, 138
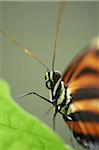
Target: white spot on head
51, 75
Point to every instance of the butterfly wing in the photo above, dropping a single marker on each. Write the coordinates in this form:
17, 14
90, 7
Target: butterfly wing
82, 82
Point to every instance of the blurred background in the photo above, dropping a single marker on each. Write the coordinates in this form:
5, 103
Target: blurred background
33, 24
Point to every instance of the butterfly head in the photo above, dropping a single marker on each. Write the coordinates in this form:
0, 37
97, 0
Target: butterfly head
51, 78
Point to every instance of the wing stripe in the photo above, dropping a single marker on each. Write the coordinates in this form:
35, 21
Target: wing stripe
85, 105
84, 82
83, 116
87, 137
97, 53
71, 69
86, 93
87, 70
88, 60
84, 128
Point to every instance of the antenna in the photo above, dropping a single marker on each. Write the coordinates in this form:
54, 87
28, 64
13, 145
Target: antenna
56, 35
23, 49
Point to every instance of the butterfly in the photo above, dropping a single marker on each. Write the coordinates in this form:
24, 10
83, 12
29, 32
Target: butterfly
75, 94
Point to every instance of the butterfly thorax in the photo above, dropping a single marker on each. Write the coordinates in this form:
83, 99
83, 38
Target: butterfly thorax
57, 89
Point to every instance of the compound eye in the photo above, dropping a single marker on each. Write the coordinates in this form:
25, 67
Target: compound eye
48, 84
56, 76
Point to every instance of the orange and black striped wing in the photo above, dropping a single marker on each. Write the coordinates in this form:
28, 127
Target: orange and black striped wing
82, 82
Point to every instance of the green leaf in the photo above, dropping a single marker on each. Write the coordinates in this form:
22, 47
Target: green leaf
21, 131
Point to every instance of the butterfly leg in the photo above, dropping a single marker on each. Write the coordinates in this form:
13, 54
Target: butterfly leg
54, 116
33, 93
